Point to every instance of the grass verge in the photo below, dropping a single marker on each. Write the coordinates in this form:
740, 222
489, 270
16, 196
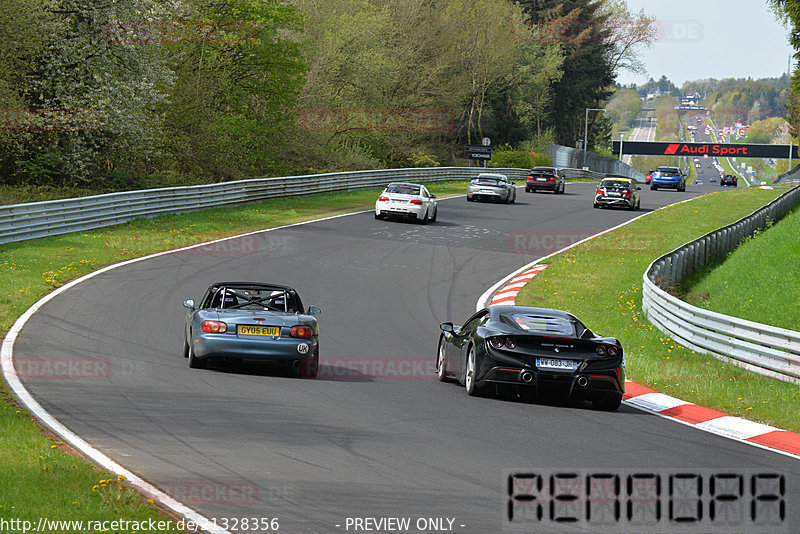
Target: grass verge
759, 280
600, 281
38, 475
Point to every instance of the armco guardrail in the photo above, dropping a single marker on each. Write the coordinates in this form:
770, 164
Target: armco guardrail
790, 177
568, 157
762, 348
19, 222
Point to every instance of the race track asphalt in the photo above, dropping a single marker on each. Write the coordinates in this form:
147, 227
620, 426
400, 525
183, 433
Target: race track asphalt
257, 442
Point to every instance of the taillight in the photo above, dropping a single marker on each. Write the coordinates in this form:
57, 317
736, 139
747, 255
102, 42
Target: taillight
600, 350
599, 192
626, 193
417, 202
497, 342
552, 178
301, 331
214, 327
383, 199
511, 343
612, 351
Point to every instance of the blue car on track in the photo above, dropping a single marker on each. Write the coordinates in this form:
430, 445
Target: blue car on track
237, 321
671, 177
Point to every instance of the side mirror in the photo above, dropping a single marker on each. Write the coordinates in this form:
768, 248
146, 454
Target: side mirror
188, 303
447, 327
314, 310
433, 196
638, 188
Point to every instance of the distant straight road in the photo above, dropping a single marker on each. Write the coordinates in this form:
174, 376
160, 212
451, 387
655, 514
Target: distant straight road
645, 130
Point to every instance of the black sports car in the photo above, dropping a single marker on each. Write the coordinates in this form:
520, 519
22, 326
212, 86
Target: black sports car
522, 346
729, 179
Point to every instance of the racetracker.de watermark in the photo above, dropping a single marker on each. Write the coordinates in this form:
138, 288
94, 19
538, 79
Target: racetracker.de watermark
77, 368
166, 32
230, 493
396, 120
561, 31
375, 367
50, 120
546, 242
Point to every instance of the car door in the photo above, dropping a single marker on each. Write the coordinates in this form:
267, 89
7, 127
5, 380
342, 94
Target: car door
457, 353
430, 203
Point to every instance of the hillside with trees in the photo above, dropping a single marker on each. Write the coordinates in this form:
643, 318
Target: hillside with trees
136, 93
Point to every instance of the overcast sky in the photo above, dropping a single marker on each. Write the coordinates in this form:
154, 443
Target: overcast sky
712, 39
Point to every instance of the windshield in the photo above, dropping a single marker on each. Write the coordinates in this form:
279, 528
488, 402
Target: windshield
543, 324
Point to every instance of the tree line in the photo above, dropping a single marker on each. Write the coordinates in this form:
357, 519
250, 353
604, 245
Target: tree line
132, 93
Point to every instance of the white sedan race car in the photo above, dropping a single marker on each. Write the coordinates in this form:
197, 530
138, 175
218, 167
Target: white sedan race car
407, 201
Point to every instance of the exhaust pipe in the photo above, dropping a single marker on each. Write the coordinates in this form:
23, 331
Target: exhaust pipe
526, 376
296, 363
582, 381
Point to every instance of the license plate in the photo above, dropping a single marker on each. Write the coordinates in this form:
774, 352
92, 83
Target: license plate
541, 179
486, 191
398, 201
552, 363
257, 330
613, 194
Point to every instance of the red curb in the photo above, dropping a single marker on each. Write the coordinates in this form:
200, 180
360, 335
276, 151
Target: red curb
779, 439
692, 413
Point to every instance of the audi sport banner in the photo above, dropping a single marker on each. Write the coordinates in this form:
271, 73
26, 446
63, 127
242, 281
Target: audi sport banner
726, 150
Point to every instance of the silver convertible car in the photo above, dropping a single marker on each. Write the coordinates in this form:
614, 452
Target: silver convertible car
238, 321
491, 186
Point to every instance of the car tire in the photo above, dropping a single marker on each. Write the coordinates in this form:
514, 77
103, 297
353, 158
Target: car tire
527, 190
425, 219
441, 361
435, 214
470, 199
596, 206
185, 348
194, 361
608, 402
653, 188
377, 216
309, 367
470, 367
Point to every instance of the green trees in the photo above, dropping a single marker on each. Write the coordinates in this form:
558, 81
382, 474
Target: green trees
135, 92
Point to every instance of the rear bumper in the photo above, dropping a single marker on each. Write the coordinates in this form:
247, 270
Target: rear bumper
486, 195
270, 349
614, 201
393, 209
666, 183
541, 186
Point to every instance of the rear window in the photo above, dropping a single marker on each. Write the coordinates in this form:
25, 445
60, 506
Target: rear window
487, 181
614, 183
402, 189
543, 324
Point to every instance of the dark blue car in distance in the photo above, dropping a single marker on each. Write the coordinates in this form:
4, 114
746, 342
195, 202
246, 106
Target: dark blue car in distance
671, 177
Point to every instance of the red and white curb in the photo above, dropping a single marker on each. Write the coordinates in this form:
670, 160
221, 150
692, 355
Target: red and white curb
712, 421
508, 295
649, 400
